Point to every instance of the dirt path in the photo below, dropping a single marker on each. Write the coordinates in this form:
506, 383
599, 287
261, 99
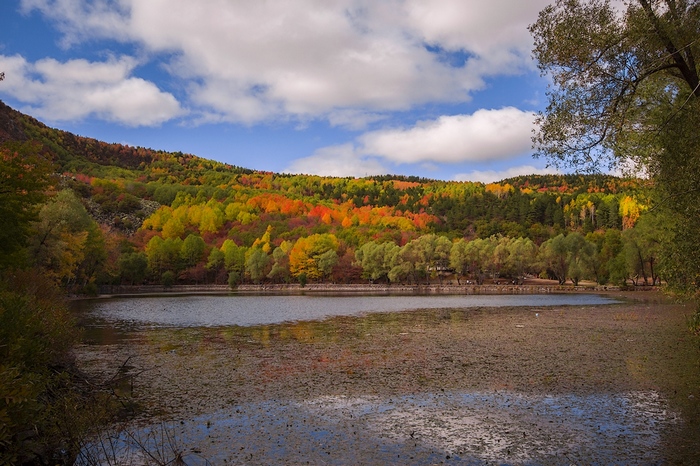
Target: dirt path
482, 385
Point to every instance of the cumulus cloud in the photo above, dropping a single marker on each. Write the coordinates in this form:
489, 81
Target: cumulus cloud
341, 160
483, 135
78, 88
490, 176
255, 61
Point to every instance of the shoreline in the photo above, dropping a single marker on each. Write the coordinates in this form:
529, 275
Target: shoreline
350, 289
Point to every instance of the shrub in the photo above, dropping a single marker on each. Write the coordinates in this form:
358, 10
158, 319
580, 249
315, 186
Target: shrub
168, 278
37, 334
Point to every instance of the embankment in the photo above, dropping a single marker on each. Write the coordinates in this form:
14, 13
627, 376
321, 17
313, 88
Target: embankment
362, 289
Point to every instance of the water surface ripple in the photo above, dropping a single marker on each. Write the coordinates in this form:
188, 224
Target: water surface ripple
215, 311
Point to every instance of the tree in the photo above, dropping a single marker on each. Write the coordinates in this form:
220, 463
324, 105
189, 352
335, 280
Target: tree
641, 247
618, 78
580, 257
133, 267
376, 259
427, 256
256, 264
24, 175
472, 258
459, 260
234, 260
554, 257
523, 253
307, 256
60, 237
192, 250
626, 88
280, 268
45, 412
326, 261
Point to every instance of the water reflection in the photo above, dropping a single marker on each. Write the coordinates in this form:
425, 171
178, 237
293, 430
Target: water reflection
110, 319
445, 428
369, 389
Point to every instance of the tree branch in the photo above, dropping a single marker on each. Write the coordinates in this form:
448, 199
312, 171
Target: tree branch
690, 75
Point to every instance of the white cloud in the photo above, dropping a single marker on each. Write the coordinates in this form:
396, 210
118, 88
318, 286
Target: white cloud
255, 61
474, 25
354, 119
340, 160
484, 135
72, 90
490, 176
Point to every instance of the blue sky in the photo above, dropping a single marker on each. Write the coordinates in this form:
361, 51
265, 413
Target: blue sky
442, 89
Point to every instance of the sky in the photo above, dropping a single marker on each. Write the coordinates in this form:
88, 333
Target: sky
441, 89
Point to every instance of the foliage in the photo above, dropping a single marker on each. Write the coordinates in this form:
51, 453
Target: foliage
627, 92
204, 221
618, 76
64, 238
313, 257
41, 412
24, 176
133, 267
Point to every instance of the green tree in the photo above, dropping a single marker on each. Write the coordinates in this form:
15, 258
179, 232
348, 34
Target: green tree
580, 257
554, 256
192, 250
133, 267
642, 245
618, 77
163, 255
280, 267
472, 258
44, 415
168, 278
626, 88
608, 262
458, 259
234, 260
522, 257
376, 259
256, 264
60, 237
326, 261
215, 260
24, 175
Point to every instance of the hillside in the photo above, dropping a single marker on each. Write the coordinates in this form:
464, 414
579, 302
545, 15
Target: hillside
147, 201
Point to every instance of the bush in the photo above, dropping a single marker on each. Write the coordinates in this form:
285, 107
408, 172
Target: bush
168, 278
38, 402
233, 280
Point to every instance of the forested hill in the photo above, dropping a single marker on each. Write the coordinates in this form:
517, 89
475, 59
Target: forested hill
78, 153
147, 201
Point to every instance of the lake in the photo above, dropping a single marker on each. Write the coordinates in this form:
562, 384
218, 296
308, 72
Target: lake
514, 379
246, 310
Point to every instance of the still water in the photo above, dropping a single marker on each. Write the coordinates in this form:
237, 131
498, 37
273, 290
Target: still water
353, 421
227, 310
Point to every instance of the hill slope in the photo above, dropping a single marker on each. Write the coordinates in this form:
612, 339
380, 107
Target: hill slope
145, 198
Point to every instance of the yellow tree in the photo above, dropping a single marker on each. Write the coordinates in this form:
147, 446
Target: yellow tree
307, 255
60, 235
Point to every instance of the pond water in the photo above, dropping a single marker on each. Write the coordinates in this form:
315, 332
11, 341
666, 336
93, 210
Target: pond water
226, 310
359, 380
452, 428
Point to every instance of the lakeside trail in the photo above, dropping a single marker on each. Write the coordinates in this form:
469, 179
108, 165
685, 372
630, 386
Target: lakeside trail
556, 385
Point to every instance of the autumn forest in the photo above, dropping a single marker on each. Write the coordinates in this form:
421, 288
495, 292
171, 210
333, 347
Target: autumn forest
117, 215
